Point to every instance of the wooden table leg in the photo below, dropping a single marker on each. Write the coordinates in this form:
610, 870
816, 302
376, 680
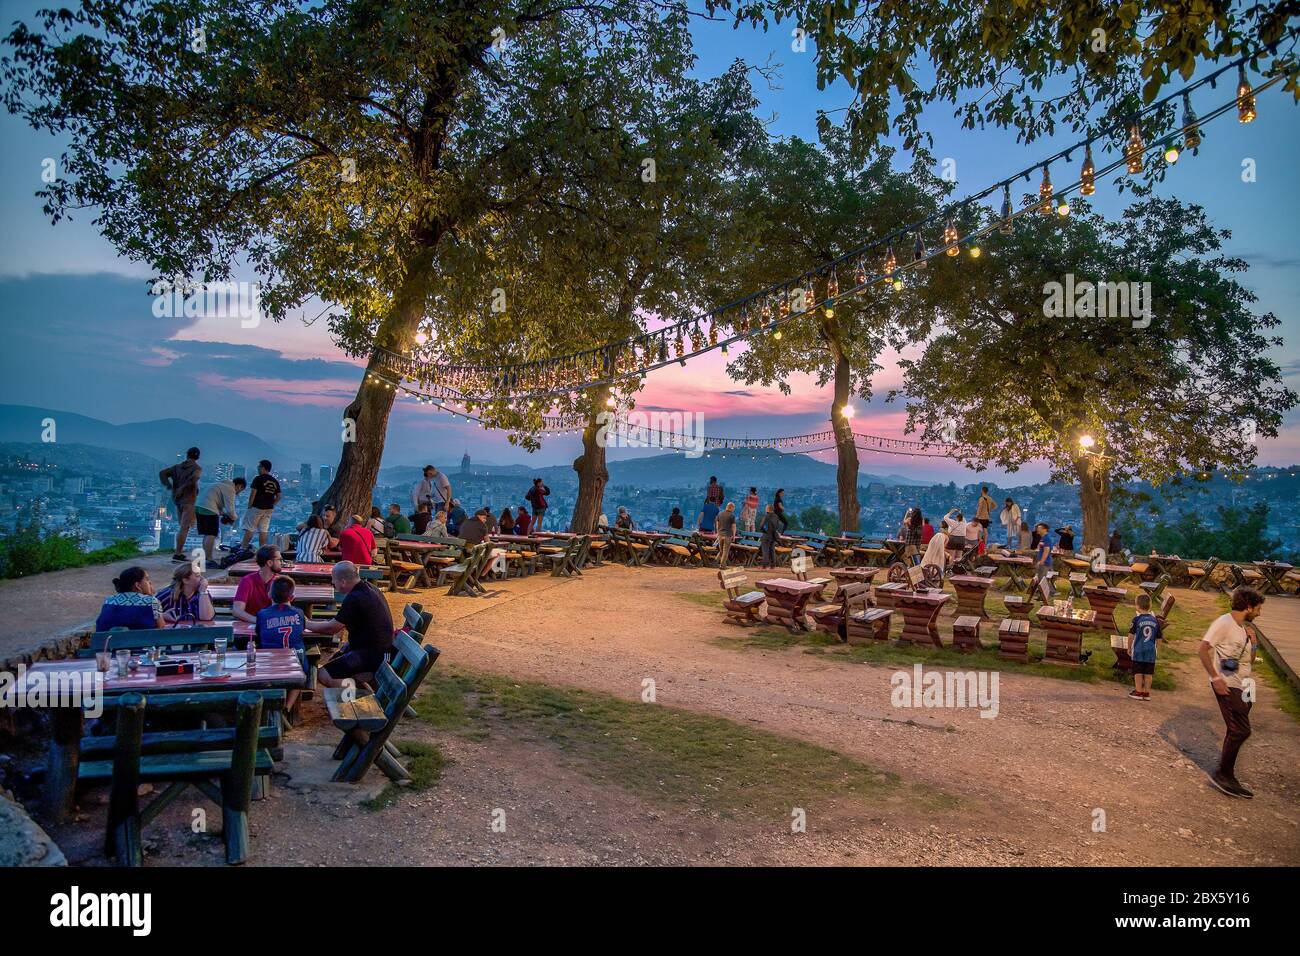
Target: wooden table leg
63, 760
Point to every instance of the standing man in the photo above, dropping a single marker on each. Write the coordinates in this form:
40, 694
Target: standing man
1227, 652
726, 532
262, 500
537, 498
984, 508
215, 508
767, 543
713, 494
182, 480
707, 519
1011, 521
749, 510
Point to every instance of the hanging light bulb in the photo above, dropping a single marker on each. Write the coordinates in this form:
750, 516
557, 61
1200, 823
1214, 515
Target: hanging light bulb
950, 238
783, 307
1088, 174
860, 274
777, 334
713, 332
891, 262
1171, 154
1008, 226
1062, 207
1245, 97
679, 345
1133, 151
610, 401
832, 285
919, 253
1191, 126
809, 297
976, 252
1045, 193
421, 337
898, 283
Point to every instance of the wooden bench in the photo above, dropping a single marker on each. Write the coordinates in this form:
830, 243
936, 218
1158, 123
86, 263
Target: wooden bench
368, 719
168, 638
1166, 608
741, 608
1018, 606
744, 553
673, 551
986, 570
220, 762
1013, 639
829, 617
863, 623
1200, 575
465, 573
564, 562
966, 633
1157, 587
799, 566
1119, 644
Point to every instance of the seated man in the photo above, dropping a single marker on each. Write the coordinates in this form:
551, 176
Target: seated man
369, 623
254, 590
420, 520
474, 529
357, 542
397, 521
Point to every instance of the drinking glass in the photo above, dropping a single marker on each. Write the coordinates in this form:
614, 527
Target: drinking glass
205, 660
123, 663
102, 661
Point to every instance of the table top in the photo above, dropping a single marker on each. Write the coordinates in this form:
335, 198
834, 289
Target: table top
971, 580
1109, 592
1116, 568
1281, 565
922, 597
303, 570
239, 628
420, 545
1009, 558
275, 667
1079, 616
789, 585
861, 573
303, 593
643, 534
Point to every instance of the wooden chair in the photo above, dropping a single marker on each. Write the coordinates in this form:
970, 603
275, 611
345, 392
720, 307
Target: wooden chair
1166, 608
220, 762
741, 608
966, 634
1013, 639
1123, 663
1157, 587
829, 616
799, 564
863, 623
1202, 574
464, 573
368, 719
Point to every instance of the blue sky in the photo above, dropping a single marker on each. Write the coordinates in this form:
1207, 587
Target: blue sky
80, 334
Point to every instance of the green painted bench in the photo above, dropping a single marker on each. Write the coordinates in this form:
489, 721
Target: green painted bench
180, 638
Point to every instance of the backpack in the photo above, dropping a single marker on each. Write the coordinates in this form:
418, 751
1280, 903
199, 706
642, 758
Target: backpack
234, 557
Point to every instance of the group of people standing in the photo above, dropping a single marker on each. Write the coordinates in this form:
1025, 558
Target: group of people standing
209, 508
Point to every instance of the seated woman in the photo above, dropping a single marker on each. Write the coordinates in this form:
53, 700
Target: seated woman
186, 598
312, 542
507, 521
523, 520
133, 606
624, 520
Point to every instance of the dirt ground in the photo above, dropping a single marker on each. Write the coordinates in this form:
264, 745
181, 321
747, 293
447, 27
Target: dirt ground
1028, 783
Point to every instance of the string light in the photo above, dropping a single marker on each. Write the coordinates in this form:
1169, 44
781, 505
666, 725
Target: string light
975, 252
920, 255
1191, 127
860, 274
1008, 225
1063, 208
890, 263
1245, 97
832, 285
1133, 151
1045, 193
1171, 154
950, 238
1088, 174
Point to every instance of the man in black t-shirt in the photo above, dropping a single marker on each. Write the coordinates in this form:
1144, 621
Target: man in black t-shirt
265, 496
369, 623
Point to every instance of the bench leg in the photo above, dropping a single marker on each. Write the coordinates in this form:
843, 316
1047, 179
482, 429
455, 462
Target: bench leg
393, 770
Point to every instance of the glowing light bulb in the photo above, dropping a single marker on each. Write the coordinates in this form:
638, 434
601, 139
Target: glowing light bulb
1086, 441
1245, 97
1063, 208
1133, 151
847, 411
1045, 193
1088, 174
975, 252
421, 337
1171, 155
950, 238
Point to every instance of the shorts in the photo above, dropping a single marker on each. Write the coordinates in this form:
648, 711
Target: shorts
184, 512
1144, 667
351, 663
257, 519
208, 525
984, 522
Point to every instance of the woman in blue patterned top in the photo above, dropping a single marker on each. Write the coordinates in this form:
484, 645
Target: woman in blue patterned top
133, 606
186, 598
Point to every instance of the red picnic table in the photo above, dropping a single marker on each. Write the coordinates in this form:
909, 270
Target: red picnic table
853, 575
305, 596
786, 600
971, 589
275, 668
1065, 633
920, 610
299, 572
1103, 600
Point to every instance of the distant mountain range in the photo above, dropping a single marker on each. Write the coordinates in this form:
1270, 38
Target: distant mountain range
164, 439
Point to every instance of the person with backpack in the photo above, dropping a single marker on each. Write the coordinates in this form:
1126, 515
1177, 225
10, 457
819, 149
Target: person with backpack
216, 508
537, 498
263, 497
1227, 653
182, 480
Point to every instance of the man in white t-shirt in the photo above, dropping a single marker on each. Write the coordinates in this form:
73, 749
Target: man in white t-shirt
1226, 653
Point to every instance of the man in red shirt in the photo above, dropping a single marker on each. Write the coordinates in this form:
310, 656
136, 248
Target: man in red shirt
254, 590
357, 543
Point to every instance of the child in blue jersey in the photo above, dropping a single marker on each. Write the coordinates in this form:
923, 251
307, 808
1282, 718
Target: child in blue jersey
1142, 636
282, 625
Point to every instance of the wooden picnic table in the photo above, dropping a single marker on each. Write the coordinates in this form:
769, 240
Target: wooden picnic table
971, 589
1274, 573
1170, 564
305, 596
515, 538
895, 547
1065, 633
1103, 600
299, 572
1014, 563
920, 610
275, 668
786, 600
1112, 574
853, 575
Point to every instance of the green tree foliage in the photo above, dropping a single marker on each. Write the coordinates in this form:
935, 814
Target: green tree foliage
804, 207
1031, 65
820, 519
31, 549
1238, 534
1190, 392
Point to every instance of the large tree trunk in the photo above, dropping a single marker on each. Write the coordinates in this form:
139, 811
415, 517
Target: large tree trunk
592, 473
1094, 499
846, 474
365, 421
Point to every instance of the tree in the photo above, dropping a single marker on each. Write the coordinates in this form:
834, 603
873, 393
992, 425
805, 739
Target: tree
1029, 65
634, 232
334, 148
1178, 384
805, 207
817, 518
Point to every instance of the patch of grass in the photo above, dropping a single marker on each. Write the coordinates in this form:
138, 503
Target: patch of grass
674, 756
424, 763
706, 598
1288, 699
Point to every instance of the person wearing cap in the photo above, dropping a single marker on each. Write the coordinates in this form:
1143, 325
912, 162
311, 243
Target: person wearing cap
357, 542
474, 528
454, 517
1065, 538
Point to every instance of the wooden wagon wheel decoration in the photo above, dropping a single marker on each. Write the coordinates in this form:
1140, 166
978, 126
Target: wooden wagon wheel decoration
898, 573
934, 576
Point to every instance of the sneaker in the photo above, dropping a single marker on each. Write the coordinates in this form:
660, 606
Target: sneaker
179, 557
1135, 695
1228, 786
1145, 696
1243, 790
